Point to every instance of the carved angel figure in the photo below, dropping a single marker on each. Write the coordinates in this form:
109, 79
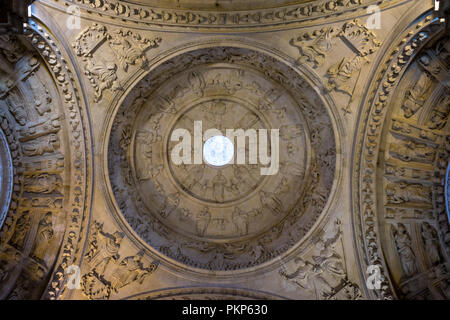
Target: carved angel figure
103, 76
440, 114
240, 220
326, 256
42, 98
131, 269
203, 219
415, 97
104, 249
44, 235
431, 242
404, 250
23, 225
308, 276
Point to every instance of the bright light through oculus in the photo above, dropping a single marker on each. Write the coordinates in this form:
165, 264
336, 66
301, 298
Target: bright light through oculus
218, 151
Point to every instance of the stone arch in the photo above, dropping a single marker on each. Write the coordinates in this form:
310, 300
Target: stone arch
399, 167
44, 122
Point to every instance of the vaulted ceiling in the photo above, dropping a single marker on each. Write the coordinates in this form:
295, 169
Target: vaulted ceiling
95, 206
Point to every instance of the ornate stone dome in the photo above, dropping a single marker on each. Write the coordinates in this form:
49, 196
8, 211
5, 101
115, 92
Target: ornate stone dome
106, 107
227, 217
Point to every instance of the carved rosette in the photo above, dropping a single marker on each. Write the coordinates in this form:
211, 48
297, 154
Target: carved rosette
230, 217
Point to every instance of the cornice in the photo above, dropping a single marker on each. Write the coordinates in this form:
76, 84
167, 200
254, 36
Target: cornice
284, 17
204, 293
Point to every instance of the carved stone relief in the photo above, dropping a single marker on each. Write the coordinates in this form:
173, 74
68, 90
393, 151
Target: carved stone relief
107, 272
40, 120
31, 123
411, 183
324, 274
127, 49
231, 217
110, 95
315, 46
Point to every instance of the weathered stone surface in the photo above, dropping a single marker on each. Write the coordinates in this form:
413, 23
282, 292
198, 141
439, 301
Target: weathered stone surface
93, 205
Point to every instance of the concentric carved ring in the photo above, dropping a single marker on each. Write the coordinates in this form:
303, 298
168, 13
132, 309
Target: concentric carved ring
221, 217
205, 182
